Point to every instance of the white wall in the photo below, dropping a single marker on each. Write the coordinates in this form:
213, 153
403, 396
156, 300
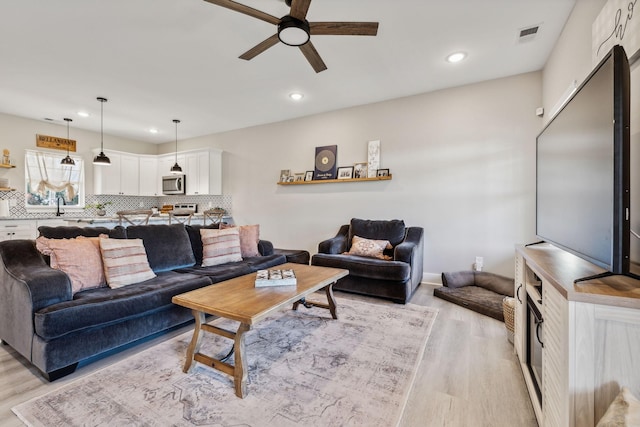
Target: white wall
571, 59
462, 161
18, 134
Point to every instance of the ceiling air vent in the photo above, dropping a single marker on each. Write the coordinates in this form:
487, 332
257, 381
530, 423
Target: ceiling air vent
528, 33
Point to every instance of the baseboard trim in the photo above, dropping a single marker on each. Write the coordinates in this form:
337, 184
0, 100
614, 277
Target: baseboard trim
432, 278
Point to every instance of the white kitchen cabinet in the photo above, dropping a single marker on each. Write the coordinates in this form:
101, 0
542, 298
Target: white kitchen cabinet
149, 183
120, 178
12, 230
203, 170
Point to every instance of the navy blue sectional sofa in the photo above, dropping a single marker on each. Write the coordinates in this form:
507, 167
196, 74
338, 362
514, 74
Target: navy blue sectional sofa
55, 329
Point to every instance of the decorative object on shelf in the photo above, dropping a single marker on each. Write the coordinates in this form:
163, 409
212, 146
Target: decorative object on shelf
383, 172
176, 167
345, 172
101, 159
284, 175
68, 161
373, 158
298, 176
325, 162
6, 158
99, 207
360, 170
330, 181
308, 176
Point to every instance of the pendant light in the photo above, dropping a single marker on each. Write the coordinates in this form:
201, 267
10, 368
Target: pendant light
67, 161
101, 159
176, 168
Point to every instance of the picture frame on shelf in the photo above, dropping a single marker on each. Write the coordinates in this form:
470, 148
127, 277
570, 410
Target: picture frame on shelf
298, 177
360, 170
308, 176
284, 175
382, 172
345, 172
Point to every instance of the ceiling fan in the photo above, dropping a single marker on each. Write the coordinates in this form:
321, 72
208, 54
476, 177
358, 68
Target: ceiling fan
295, 30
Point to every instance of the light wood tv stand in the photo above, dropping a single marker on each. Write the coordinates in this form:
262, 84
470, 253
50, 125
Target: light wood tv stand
591, 332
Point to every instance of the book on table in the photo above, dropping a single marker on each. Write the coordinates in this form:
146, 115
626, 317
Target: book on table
275, 277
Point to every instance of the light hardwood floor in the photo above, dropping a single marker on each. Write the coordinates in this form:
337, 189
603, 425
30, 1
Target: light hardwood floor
469, 375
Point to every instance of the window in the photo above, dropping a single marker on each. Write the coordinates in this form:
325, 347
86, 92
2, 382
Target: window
46, 180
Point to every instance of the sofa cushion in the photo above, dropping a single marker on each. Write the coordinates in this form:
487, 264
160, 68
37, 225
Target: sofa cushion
262, 262
196, 239
125, 262
168, 246
370, 268
218, 273
391, 230
70, 232
79, 258
101, 306
220, 246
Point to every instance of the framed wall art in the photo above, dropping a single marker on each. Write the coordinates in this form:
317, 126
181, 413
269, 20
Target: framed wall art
345, 172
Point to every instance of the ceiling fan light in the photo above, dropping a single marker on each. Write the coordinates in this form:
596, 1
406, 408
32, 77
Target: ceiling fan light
293, 32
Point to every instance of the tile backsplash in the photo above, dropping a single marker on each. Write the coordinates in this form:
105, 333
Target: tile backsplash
118, 203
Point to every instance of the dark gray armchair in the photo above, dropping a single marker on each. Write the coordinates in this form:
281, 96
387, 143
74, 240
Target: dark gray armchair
395, 279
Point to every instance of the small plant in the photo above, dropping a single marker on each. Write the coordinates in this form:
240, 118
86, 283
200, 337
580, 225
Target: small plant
97, 206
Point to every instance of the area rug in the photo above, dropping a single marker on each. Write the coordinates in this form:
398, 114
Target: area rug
304, 369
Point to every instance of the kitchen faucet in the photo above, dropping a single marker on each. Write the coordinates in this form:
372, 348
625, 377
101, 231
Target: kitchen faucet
58, 213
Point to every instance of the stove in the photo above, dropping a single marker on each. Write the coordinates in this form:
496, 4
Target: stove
193, 206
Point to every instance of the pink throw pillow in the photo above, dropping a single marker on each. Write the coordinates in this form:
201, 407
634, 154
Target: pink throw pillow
79, 258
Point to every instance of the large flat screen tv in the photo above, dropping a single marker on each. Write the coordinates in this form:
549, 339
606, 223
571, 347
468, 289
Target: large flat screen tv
582, 169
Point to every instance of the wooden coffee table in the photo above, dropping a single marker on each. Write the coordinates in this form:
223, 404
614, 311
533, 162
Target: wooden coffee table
238, 299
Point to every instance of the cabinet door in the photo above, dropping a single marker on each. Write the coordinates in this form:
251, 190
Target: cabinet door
129, 175
191, 169
11, 230
520, 332
150, 183
106, 179
555, 358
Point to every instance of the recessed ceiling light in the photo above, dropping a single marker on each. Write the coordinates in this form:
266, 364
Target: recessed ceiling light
153, 130
296, 96
83, 114
456, 57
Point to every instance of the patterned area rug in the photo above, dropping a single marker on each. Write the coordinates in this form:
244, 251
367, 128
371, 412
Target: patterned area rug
304, 369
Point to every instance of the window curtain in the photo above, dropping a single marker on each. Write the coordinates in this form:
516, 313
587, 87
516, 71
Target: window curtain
45, 173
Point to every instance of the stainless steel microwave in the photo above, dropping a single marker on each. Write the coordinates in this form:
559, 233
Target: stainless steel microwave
173, 184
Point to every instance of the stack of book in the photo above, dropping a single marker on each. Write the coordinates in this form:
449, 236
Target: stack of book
275, 278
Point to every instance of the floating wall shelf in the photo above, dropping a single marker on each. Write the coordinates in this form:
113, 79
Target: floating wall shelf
3, 165
329, 181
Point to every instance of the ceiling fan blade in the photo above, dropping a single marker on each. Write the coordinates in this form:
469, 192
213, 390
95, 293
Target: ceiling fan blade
344, 28
299, 9
260, 47
255, 13
313, 57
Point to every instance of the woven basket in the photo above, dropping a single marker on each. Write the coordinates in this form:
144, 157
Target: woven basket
509, 311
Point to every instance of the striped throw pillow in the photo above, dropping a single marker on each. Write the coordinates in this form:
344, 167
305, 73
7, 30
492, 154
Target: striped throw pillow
125, 262
220, 246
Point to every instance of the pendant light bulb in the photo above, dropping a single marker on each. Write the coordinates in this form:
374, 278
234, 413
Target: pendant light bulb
176, 169
67, 161
101, 159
